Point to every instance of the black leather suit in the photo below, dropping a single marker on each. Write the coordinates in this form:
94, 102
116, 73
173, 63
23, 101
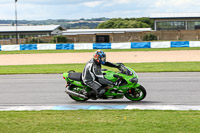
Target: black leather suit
92, 75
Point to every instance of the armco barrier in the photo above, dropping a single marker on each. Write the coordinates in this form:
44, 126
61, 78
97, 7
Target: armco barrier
166, 44
10, 47
79, 46
141, 45
194, 44
64, 46
124, 45
102, 46
28, 47
180, 44
46, 46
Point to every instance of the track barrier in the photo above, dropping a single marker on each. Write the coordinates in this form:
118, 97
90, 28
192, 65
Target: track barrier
81, 46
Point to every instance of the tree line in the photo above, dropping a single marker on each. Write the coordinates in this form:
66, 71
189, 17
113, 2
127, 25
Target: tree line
99, 23
69, 24
143, 22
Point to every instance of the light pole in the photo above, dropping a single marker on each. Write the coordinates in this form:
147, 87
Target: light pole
16, 21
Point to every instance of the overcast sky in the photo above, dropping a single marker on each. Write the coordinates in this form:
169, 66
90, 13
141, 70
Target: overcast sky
76, 9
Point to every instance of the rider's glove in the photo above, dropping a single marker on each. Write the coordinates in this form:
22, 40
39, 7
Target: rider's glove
118, 65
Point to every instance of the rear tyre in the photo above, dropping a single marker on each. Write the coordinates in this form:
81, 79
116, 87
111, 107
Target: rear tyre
71, 71
136, 94
78, 99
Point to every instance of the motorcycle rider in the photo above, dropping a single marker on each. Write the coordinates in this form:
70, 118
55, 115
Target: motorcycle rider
93, 77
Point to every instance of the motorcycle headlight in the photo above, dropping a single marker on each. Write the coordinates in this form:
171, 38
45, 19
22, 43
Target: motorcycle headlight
134, 80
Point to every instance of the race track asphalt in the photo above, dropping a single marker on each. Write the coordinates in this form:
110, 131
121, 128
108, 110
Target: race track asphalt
179, 88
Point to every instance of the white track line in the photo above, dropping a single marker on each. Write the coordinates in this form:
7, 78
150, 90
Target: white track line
24, 108
164, 107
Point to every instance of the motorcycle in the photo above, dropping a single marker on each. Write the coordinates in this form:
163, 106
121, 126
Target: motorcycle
126, 84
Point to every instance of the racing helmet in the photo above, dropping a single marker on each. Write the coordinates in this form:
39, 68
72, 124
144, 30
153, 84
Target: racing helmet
100, 57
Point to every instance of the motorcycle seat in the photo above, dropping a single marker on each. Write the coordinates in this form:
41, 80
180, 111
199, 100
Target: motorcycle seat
75, 76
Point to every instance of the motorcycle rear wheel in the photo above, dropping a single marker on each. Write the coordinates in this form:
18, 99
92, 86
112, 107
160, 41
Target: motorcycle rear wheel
136, 94
78, 99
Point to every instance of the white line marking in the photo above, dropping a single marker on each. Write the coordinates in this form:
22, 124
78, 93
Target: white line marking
164, 107
23, 108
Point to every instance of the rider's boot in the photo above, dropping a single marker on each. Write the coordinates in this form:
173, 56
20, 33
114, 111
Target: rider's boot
100, 92
92, 95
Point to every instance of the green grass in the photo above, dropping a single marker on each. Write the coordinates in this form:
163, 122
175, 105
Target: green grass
138, 67
109, 121
105, 50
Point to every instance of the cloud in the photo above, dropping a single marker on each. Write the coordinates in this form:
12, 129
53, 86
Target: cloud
182, 6
174, 3
121, 1
46, 2
93, 3
75, 9
160, 3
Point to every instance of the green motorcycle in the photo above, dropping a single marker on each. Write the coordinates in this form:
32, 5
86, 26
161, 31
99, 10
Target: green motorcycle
126, 85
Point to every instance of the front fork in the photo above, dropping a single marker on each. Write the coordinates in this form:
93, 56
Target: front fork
136, 85
123, 89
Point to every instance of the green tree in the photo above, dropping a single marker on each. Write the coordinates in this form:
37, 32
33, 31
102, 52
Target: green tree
35, 40
126, 23
147, 21
59, 39
149, 37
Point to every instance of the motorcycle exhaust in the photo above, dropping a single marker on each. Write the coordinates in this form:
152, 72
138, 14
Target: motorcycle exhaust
75, 94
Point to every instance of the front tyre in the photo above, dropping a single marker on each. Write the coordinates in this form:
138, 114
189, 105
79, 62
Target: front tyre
136, 94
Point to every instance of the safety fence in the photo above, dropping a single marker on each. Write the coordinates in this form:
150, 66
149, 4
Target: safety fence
81, 46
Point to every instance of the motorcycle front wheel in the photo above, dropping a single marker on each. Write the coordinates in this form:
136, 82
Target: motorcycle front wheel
136, 94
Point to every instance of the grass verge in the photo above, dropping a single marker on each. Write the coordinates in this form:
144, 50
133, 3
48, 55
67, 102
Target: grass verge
105, 50
138, 67
109, 121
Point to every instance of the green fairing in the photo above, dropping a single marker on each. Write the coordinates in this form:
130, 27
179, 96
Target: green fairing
65, 75
109, 75
77, 83
125, 87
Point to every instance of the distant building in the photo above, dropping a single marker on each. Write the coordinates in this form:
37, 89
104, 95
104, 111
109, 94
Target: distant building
9, 32
176, 21
105, 35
